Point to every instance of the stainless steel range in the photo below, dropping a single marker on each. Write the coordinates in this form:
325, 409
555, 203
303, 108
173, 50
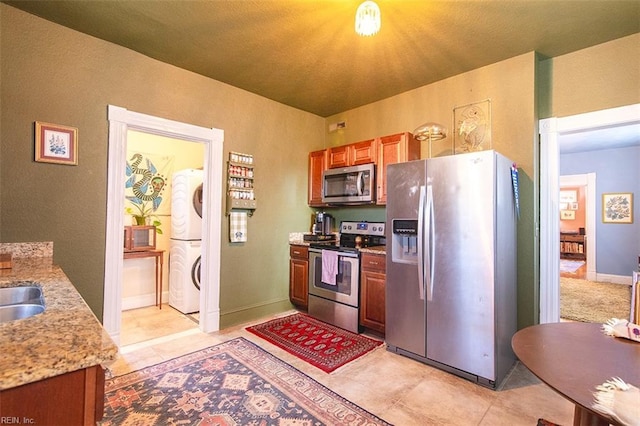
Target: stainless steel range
334, 273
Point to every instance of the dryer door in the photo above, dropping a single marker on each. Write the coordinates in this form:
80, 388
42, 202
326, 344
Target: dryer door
195, 273
197, 200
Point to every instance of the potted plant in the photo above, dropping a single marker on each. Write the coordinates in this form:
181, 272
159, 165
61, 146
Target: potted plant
143, 214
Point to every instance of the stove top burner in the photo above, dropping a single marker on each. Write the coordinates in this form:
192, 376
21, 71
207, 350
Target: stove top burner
353, 236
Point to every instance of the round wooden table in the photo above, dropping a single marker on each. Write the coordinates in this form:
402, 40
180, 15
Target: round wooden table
573, 358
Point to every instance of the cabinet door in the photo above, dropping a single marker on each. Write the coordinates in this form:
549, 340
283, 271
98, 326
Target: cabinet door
363, 152
372, 292
393, 149
299, 282
73, 399
317, 165
372, 310
339, 156
299, 275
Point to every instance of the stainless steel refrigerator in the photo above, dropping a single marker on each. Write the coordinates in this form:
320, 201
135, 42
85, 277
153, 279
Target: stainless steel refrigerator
451, 273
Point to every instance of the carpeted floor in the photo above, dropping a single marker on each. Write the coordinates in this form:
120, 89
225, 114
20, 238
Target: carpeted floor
320, 344
590, 301
232, 383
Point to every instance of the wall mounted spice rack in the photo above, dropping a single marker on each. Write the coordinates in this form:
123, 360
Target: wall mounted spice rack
240, 183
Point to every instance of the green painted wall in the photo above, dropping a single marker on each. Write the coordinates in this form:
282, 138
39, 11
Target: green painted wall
54, 74
522, 90
50, 73
600, 77
510, 86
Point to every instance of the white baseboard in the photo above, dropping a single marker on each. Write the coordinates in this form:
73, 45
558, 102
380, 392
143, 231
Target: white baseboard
142, 300
614, 279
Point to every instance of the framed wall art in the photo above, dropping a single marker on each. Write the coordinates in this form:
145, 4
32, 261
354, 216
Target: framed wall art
56, 144
568, 196
472, 124
567, 215
617, 207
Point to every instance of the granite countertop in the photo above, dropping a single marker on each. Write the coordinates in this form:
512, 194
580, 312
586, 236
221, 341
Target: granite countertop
66, 337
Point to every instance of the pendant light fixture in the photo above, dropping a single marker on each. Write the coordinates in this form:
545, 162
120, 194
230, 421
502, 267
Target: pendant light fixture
431, 132
368, 19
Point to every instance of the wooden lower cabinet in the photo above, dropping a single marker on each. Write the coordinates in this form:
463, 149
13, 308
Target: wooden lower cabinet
372, 291
75, 398
299, 276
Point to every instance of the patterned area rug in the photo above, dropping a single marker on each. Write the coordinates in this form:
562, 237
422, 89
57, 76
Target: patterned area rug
233, 383
320, 344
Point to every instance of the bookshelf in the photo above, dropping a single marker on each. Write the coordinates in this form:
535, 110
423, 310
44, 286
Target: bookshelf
573, 246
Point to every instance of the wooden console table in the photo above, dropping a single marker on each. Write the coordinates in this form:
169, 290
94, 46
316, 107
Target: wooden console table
159, 256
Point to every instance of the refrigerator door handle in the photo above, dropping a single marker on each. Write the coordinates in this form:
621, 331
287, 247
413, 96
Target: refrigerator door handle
429, 257
421, 259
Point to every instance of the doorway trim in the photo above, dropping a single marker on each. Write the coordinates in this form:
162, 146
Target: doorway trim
551, 132
120, 121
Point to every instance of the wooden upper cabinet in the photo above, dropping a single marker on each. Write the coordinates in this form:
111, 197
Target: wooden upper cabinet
317, 165
363, 152
353, 154
393, 149
339, 156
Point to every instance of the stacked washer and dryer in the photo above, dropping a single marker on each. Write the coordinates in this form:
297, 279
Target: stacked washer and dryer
186, 236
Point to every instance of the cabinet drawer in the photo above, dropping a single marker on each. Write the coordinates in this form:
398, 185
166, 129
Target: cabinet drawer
299, 252
374, 262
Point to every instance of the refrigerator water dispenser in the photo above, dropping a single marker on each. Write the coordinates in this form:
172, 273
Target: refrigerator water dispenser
404, 245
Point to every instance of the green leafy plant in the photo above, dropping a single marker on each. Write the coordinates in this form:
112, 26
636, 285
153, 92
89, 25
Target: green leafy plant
141, 212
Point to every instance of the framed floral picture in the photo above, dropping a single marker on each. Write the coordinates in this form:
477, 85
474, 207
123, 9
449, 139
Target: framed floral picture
617, 207
56, 144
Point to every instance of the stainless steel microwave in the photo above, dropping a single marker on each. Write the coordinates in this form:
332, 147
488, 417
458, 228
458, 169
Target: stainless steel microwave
349, 185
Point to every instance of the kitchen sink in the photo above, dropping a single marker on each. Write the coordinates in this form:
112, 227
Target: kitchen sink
23, 310
21, 294
20, 302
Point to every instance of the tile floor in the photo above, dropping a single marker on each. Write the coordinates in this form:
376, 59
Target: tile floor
395, 388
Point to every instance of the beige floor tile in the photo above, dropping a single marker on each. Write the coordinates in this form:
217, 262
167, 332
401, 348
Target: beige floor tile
398, 389
139, 325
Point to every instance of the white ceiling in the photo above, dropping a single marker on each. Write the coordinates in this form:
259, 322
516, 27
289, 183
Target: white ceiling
603, 138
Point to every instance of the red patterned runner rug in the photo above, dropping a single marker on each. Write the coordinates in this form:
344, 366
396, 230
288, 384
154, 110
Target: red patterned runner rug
318, 343
233, 383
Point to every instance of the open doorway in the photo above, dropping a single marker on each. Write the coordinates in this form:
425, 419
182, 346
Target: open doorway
163, 177
622, 126
120, 122
578, 228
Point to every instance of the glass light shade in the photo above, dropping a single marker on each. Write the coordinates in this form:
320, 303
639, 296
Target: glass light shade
368, 19
430, 132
